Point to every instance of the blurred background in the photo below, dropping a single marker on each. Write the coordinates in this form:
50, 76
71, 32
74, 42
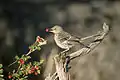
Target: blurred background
22, 20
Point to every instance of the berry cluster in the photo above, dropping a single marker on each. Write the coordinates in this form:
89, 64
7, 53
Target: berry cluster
25, 67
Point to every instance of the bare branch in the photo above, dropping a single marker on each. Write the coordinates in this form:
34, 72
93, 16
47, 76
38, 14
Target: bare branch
48, 77
61, 70
93, 44
51, 77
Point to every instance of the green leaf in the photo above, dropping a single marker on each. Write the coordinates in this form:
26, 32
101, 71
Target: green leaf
16, 57
14, 71
34, 63
31, 47
26, 77
38, 48
28, 57
15, 75
1, 71
21, 79
41, 61
1, 75
23, 56
38, 71
20, 72
2, 79
1, 65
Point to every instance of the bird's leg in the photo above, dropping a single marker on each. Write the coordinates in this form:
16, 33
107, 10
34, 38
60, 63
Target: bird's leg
65, 51
66, 64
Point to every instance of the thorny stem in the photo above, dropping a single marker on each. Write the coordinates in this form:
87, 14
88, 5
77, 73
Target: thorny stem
28, 53
17, 60
18, 68
12, 63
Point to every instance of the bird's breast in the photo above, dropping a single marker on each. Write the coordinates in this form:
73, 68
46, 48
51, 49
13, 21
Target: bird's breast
61, 44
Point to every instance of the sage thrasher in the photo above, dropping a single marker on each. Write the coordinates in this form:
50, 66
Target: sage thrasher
63, 39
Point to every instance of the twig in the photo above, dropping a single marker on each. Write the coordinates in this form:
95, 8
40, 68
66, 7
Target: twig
51, 77
29, 53
12, 63
18, 68
17, 60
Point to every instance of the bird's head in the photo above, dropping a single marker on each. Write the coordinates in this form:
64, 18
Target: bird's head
56, 29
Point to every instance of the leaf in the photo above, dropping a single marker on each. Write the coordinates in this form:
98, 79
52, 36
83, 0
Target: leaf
21, 79
20, 73
2, 79
26, 77
14, 71
41, 61
1, 75
34, 63
31, 47
38, 48
1, 71
16, 57
38, 71
15, 75
28, 57
1, 65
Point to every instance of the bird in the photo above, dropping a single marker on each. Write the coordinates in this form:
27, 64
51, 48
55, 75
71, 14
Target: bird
64, 39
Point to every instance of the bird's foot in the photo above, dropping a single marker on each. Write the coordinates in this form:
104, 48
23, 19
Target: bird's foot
62, 55
66, 64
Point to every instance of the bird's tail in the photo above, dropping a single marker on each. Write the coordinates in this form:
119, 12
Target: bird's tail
81, 43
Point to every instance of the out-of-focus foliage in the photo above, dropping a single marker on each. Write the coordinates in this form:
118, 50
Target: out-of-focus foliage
1, 72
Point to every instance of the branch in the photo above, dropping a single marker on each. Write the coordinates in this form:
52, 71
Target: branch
60, 69
92, 45
54, 76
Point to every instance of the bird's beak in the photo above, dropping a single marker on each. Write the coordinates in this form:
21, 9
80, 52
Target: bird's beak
51, 30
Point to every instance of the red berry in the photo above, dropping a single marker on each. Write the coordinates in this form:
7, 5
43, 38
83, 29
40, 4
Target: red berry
9, 76
38, 39
21, 61
33, 69
36, 73
36, 67
46, 29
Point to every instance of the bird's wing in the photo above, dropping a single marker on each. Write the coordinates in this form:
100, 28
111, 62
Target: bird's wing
74, 37
64, 36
